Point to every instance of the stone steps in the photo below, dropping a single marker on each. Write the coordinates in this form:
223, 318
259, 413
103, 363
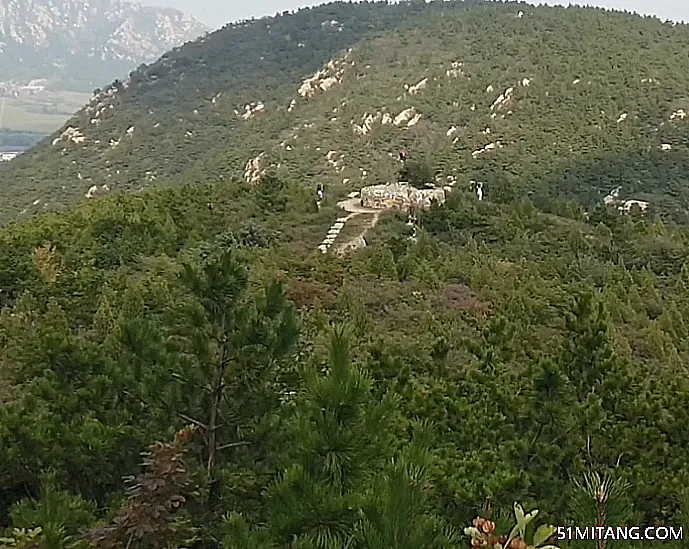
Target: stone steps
333, 233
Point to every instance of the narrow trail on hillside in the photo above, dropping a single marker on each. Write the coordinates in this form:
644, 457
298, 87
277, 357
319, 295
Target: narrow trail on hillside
359, 241
354, 208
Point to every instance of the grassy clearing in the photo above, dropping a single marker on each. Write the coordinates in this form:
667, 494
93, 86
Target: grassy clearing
44, 112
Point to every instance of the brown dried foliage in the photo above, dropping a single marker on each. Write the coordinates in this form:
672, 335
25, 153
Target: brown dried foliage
307, 294
145, 520
460, 296
48, 262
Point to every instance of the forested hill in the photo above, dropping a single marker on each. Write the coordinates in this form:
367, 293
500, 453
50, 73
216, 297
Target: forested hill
569, 103
394, 394
486, 358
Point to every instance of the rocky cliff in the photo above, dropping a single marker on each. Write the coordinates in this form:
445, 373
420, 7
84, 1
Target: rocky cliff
85, 43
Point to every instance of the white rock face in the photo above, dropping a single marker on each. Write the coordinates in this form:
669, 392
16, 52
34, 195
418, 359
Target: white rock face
416, 88
455, 70
489, 147
368, 121
502, 99
405, 116
612, 197
399, 195
326, 78
251, 109
414, 120
332, 24
626, 207
334, 159
254, 170
72, 135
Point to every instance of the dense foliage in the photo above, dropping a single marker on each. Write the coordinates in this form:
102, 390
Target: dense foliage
500, 358
429, 391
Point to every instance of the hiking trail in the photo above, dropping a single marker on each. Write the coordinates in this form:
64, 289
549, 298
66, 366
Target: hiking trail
354, 208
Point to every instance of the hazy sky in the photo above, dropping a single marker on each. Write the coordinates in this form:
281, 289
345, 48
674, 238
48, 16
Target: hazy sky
216, 13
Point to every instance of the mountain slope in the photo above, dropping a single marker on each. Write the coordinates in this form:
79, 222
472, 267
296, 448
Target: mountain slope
80, 44
533, 348
574, 102
491, 354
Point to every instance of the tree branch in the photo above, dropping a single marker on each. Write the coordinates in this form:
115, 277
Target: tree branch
185, 417
233, 444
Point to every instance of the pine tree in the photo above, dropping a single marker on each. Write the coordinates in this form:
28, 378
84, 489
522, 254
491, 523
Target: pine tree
56, 514
600, 500
588, 356
399, 511
247, 339
341, 436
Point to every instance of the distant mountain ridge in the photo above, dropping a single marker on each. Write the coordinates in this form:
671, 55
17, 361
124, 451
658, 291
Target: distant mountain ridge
84, 43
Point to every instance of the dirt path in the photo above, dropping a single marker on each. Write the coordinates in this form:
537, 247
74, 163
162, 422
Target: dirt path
353, 207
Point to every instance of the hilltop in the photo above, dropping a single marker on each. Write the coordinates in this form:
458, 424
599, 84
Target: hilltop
553, 102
